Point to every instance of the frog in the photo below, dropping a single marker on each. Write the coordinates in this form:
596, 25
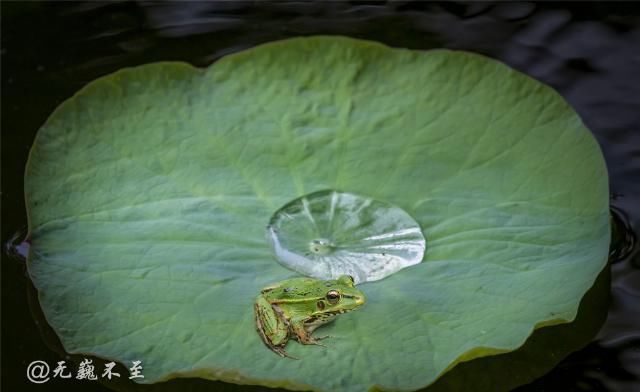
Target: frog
295, 307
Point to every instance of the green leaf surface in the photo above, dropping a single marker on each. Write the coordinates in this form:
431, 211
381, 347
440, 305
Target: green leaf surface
149, 192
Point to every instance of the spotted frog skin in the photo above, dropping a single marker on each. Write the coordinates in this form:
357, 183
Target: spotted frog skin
294, 308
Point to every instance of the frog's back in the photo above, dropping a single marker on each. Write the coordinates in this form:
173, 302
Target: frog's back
297, 288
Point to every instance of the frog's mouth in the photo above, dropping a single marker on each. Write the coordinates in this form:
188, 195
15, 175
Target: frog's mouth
326, 315
341, 311
357, 299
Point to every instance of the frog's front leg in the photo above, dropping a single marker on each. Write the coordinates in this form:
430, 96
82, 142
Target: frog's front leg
302, 332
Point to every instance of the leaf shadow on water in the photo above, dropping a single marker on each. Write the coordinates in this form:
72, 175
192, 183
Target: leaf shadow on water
541, 352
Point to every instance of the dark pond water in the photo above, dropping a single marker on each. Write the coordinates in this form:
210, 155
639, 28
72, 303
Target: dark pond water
589, 52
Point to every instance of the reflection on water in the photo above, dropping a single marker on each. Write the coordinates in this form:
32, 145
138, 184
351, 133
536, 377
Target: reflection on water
623, 239
17, 247
587, 51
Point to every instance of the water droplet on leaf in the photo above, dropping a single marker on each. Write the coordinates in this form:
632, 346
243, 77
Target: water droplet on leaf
327, 234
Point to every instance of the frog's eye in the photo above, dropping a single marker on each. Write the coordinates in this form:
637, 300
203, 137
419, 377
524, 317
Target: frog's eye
333, 297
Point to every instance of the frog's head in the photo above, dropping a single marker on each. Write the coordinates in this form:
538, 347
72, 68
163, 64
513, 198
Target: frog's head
339, 296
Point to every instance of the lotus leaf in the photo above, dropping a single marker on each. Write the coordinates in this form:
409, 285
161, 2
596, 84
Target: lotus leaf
149, 191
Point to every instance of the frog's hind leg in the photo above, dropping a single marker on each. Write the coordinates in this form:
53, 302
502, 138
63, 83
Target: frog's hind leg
272, 330
280, 351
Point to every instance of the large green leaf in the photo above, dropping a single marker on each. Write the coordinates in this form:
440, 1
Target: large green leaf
149, 192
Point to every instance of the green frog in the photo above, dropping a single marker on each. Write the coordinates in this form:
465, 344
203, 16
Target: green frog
294, 308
